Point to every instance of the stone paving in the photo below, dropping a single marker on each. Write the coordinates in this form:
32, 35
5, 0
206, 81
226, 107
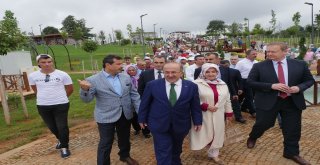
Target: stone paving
84, 141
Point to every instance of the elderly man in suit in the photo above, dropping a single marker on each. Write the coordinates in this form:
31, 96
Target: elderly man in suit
168, 106
113, 111
279, 84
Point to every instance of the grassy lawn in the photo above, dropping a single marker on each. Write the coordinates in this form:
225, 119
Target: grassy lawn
77, 55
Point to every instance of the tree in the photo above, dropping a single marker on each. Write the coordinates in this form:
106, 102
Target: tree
102, 37
317, 22
129, 28
77, 34
257, 29
302, 48
235, 28
11, 38
70, 25
90, 46
50, 30
273, 21
118, 35
215, 27
296, 19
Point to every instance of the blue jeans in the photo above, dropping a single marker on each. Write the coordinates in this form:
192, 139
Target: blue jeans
106, 132
56, 119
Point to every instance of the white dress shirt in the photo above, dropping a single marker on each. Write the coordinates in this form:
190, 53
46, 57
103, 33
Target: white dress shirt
245, 66
156, 74
190, 72
177, 88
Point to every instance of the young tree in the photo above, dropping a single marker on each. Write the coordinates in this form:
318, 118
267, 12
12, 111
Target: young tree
129, 28
50, 30
257, 29
11, 37
90, 47
102, 37
235, 28
77, 35
215, 27
70, 25
296, 19
118, 35
273, 21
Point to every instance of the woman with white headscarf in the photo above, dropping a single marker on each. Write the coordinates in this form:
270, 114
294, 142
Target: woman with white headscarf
215, 104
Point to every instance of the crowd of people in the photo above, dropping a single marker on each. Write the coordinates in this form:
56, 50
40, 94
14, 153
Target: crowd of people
178, 91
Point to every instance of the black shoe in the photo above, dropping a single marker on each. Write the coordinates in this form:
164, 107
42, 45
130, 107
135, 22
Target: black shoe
58, 145
251, 142
241, 120
147, 136
65, 152
298, 159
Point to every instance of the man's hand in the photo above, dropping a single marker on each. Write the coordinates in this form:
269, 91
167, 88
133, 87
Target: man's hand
212, 108
85, 85
281, 87
294, 89
197, 128
143, 125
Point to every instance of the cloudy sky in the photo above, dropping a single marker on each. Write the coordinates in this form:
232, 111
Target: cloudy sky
170, 15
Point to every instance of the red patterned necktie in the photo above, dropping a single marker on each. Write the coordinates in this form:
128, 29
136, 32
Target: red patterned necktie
281, 79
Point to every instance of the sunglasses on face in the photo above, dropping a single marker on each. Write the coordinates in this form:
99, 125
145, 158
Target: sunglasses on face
47, 79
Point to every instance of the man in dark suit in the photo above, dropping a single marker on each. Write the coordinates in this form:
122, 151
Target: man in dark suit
146, 77
168, 107
236, 81
279, 84
223, 74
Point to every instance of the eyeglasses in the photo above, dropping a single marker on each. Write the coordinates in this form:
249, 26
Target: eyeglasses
47, 78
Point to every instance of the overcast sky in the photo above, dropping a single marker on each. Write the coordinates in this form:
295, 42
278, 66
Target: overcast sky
170, 15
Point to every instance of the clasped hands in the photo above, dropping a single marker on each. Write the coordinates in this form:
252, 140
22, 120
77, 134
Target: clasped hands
284, 88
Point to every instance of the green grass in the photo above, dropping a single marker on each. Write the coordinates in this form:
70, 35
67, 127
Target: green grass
77, 54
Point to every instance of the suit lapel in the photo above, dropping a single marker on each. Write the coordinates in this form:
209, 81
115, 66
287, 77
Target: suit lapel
272, 71
290, 71
106, 83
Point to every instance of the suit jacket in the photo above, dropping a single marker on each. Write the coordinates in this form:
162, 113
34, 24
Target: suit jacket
263, 75
156, 110
110, 105
144, 78
235, 79
225, 76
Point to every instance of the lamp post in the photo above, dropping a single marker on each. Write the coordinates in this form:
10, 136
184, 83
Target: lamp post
246, 19
160, 33
143, 47
154, 30
312, 28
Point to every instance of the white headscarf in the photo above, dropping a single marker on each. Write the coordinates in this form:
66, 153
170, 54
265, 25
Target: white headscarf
207, 66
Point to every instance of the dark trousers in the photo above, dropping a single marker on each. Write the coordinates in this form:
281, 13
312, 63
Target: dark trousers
168, 147
56, 119
136, 126
291, 124
248, 97
236, 108
106, 132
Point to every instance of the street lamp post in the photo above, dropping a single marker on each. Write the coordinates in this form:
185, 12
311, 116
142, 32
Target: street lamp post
312, 28
246, 19
142, 37
154, 30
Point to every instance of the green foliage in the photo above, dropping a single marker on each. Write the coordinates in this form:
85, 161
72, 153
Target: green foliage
216, 27
129, 28
257, 29
302, 48
102, 36
125, 42
50, 30
11, 37
296, 19
235, 29
89, 46
220, 51
72, 25
273, 21
118, 35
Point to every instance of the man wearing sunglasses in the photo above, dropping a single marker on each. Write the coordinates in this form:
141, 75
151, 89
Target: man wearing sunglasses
52, 88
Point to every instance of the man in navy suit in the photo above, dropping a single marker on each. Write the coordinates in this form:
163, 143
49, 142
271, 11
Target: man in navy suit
168, 107
149, 75
279, 84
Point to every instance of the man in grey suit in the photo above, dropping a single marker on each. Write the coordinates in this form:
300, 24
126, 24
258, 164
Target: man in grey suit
114, 98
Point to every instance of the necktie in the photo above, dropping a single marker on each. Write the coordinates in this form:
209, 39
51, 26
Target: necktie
281, 79
172, 95
159, 74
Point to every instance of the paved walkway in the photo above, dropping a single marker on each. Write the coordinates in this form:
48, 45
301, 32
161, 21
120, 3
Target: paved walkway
84, 141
